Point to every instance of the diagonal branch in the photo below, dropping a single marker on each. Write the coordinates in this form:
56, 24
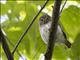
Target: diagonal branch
11, 43
55, 18
63, 7
25, 32
5, 46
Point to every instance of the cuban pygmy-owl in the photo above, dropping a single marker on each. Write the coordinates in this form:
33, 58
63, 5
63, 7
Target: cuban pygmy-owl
45, 24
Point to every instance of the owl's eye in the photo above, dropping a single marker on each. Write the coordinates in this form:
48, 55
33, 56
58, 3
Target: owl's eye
41, 19
47, 20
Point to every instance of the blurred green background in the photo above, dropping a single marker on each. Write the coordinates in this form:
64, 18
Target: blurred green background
16, 16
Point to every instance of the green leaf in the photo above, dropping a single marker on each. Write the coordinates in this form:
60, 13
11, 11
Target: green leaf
76, 48
4, 8
70, 19
60, 52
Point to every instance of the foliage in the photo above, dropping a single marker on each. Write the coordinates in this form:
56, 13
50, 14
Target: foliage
21, 13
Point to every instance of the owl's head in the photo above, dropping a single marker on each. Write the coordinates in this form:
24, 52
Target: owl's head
44, 19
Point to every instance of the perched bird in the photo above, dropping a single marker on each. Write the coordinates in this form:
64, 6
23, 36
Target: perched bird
45, 24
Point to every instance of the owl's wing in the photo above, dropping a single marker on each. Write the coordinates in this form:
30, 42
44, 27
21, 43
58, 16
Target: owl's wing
67, 43
44, 33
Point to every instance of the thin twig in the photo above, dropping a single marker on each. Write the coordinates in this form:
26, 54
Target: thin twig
39, 49
62, 7
5, 46
25, 32
55, 18
11, 43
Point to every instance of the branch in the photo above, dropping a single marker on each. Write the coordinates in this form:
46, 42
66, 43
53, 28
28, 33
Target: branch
5, 46
55, 18
25, 32
11, 43
63, 7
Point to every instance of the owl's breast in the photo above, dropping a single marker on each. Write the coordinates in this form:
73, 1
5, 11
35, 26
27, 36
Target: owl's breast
44, 31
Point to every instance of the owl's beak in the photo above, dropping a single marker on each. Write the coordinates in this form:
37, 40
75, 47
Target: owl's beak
41, 23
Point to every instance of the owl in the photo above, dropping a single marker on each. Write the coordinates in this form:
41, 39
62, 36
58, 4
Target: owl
44, 26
